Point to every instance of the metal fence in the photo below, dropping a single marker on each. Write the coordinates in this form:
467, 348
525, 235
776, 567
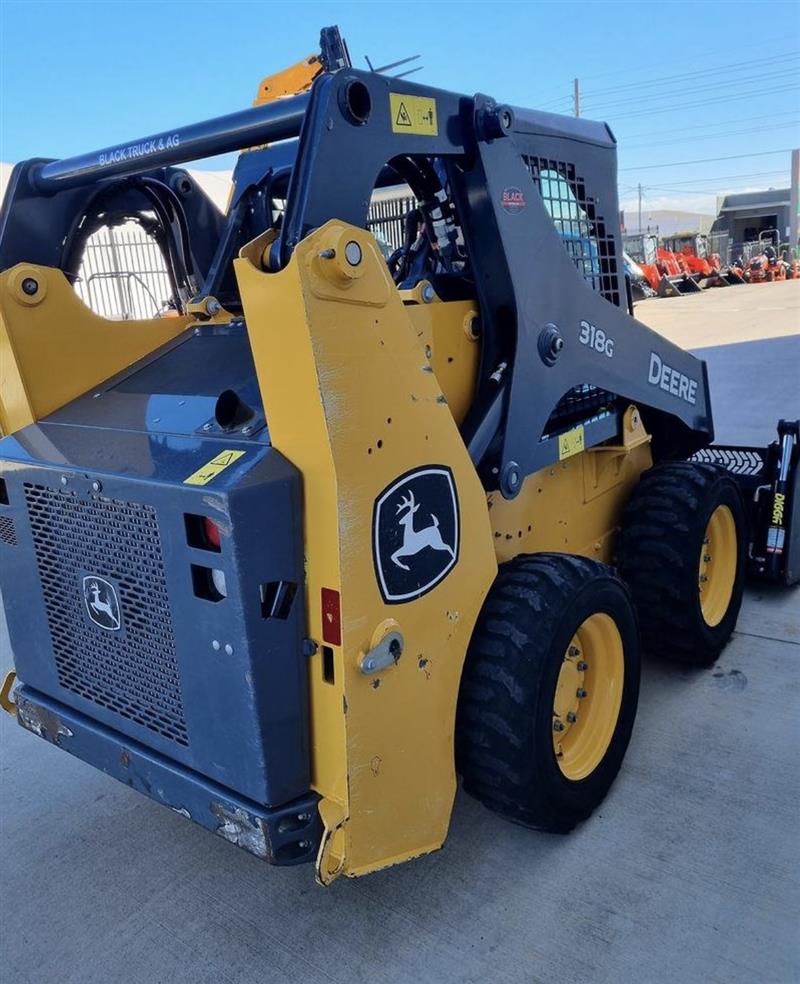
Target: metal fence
123, 275
385, 218
720, 243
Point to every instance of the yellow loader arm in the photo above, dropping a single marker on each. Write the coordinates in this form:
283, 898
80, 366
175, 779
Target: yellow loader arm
289, 81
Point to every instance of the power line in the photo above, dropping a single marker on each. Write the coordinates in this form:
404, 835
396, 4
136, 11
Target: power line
707, 160
566, 82
721, 70
723, 177
738, 82
711, 136
693, 105
710, 123
682, 60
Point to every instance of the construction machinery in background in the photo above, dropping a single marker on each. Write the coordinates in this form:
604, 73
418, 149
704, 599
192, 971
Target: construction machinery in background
768, 266
666, 274
289, 560
705, 266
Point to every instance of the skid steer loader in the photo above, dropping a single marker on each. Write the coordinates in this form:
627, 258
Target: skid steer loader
288, 561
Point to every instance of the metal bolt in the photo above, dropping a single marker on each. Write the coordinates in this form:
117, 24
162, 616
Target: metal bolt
574, 651
572, 717
428, 293
213, 306
352, 253
303, 816
247, 429
703, 579
558, 726
583, 667
228, 649
64, 480
327, 254
705, 541
30, 286
304, 844
581, 693
97, 486
208, 426
706, 558
215, 645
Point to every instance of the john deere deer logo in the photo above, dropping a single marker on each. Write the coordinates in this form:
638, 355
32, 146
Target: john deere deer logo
102, 603
416, 540
415, 533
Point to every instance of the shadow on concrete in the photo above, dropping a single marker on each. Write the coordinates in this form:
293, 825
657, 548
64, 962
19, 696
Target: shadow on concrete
753, 384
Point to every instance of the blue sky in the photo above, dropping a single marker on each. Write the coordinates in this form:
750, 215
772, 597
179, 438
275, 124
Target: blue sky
677, 82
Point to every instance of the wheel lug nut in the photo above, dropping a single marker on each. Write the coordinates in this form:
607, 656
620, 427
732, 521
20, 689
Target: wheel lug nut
558, 726
572, 717
580, 692
583, 667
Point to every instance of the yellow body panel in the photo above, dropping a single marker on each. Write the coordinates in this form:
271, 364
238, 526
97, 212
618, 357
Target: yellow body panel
353, 404
445, 333
53, 348
574, 506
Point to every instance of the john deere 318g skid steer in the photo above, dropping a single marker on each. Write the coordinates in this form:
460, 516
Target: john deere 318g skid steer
340, 528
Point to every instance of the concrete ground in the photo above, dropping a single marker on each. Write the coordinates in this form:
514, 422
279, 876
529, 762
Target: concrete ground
688, 872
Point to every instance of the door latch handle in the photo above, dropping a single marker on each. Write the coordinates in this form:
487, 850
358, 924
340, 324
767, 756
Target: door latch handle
385, 654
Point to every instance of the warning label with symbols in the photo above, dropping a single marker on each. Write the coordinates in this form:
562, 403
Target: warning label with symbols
571, 443
212, 468
413, 114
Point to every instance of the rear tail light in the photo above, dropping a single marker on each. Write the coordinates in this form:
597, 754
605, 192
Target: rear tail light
202, 532
212, 534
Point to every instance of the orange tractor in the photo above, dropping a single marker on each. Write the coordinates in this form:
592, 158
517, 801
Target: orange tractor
767, 266
704, 265
665, 272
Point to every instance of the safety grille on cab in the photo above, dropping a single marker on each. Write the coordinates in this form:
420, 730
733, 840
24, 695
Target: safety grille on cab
590, 244
133, 671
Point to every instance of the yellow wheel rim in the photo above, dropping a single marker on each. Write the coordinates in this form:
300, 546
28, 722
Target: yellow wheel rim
588, 696
717, 569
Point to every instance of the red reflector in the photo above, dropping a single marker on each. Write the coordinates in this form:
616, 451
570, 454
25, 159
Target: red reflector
331, 617
211, 531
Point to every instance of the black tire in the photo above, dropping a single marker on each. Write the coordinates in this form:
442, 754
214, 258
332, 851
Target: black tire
505, 721
663, 528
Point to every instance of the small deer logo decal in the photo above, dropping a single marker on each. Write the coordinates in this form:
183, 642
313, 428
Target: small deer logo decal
416, 540
415, 533
102, 603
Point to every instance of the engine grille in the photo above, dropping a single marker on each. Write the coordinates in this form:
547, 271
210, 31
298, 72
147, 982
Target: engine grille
134, 671
7, 532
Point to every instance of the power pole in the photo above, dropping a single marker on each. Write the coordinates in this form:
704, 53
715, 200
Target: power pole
577, 96
640, 208
794, 201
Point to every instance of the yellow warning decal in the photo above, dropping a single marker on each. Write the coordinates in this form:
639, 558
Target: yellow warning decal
413, 114
210, 470
571, 443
